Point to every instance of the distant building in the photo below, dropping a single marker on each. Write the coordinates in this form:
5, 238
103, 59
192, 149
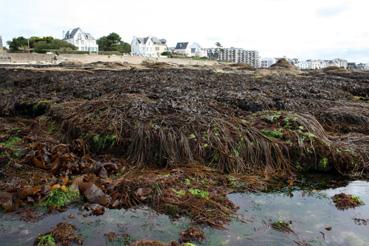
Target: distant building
311, 64
359, 66
82, 40
190, 50
235, 55
148, 46
351, 65
337, 63
363, 66
1, 44
267, 62
320, 64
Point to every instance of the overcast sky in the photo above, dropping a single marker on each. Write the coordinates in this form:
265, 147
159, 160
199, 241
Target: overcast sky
293, 28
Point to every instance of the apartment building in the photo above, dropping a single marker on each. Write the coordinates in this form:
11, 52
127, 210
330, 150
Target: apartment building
235, 55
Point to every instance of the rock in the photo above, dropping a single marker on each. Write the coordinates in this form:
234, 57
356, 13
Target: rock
192, 234
64, 234
103, 173
94, 194
110, 166
143, 193
153, 243
111, 236
96, 209
4, 160
6, 201
27, 191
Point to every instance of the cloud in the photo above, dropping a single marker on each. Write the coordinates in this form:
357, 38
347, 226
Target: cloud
332, 11
353, 54
293, 28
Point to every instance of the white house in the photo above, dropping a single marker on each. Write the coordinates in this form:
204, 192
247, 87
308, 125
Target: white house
190, 50
82, 40
148, 46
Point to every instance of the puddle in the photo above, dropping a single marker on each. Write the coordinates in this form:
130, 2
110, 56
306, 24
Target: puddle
310, 213
138, 223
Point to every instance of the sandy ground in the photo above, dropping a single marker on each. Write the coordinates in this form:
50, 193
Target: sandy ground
18, 58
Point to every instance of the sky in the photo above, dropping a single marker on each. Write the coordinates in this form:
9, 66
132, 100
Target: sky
304, 29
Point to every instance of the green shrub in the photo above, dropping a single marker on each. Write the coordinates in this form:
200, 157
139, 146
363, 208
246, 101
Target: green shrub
272, 133
61, 197
199, 193
46, 240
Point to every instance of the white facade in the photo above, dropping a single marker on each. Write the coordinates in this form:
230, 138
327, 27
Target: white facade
338, 63
320, 64
267, 62
190, 50
82, 40
148, 46
235, 55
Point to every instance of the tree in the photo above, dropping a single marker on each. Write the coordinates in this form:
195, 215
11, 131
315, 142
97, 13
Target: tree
44, 46
40, 44
17, 44
113, 42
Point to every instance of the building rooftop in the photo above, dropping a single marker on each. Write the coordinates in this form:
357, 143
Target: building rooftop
181, 46
153, 39
71, 34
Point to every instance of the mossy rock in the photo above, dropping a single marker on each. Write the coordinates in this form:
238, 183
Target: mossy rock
32, 109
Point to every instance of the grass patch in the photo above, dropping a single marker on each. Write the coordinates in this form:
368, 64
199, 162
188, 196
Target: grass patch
42, 105
360, 99
51, 127
61, 197
179, 193
324, 162
11, 142
272, 133
272, 118
199, 193
102, 142
46, 240
281, 226
234, 183
187, 182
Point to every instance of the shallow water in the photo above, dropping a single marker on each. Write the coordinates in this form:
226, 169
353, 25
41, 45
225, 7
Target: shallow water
309, 212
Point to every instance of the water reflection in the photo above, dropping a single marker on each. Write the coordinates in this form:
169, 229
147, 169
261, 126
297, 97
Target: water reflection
310, 213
